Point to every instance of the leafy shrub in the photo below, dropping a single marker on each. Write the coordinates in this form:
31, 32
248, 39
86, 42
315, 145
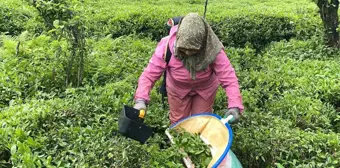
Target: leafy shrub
242, 59
266, 86
11, 22
234, 31
256, 27
263, 140
315, 78
43, 67
290, 89
5, 156
196, 1
29, 65
305, 112
148, 24
16, 17
309, 88
258, 30
77, 131
112, 60
80, 129
301, 50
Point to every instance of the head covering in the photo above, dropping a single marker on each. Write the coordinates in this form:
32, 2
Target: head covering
195, 33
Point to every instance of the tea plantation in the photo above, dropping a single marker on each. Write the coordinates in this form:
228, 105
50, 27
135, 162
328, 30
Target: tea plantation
67, 68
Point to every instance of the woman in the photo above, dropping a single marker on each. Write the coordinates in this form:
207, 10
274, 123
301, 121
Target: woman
197, 67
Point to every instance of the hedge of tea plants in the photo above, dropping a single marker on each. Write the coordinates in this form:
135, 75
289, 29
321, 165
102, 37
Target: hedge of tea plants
64, 86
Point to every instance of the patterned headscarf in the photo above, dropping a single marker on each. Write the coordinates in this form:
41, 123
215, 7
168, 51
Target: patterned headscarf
195, 33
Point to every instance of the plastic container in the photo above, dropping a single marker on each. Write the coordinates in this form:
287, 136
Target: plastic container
132, 126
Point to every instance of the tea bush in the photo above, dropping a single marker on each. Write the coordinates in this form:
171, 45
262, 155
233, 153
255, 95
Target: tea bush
71, 126
305, 112
17, 16
234, 31
10, 22
257, 26
264, 140
28, 65
288, 79
314, 78
302, 50
112, 60
301, 87
80, 129
258, 30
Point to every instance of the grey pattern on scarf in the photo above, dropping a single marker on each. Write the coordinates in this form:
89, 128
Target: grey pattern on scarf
195, 33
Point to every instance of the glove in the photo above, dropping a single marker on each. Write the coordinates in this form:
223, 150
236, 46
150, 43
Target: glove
140, 104
235, 112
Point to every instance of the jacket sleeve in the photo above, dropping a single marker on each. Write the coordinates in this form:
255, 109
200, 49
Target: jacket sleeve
228, 79
152, 72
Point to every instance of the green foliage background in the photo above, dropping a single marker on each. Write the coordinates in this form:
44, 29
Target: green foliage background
67, 67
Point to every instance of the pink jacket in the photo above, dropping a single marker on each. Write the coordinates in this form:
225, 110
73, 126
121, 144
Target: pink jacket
178, 78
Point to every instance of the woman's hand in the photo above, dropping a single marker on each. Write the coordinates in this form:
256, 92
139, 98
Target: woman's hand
236, 114
140, 104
